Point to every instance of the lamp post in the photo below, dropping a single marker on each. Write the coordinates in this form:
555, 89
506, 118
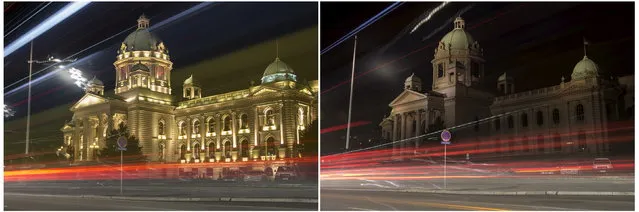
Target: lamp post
31, 61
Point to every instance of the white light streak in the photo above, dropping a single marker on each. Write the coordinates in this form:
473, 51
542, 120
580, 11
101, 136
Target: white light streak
429, 16
76, 74
44, 26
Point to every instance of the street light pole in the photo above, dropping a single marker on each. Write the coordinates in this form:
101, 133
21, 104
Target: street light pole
26, 151
350, 102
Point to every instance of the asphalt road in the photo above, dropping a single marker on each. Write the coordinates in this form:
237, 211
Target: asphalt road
167, 189
391, 201
18, 202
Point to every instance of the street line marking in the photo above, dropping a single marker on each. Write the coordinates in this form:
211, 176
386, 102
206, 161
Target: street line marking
360, 209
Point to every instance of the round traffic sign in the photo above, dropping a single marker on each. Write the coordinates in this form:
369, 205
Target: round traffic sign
122, 142
445, 135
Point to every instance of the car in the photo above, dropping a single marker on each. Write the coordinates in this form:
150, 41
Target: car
285, 173
569, 168
254, 176
601, 165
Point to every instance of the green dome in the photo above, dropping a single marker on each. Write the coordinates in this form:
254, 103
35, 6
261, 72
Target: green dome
190, 81
141, 40
278, 71
584, 69
458, 38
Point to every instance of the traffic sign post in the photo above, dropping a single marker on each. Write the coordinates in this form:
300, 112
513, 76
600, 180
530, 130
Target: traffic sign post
445, 135
122, 147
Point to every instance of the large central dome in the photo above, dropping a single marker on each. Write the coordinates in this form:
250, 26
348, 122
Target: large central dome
141, 39
458, 38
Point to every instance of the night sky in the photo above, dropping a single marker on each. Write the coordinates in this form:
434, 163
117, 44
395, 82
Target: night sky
224, 45
537, 43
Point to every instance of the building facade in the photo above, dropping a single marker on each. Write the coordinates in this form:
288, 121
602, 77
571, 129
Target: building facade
260, 123
570, 117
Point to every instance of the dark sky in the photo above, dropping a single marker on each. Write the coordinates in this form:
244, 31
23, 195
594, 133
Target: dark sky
535, 42
225, 46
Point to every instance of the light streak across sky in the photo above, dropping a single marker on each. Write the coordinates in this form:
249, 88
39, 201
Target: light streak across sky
44, 26
432, 12
363, 25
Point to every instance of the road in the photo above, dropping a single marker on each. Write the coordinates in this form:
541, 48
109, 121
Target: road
18, 202
389, 200
157, 188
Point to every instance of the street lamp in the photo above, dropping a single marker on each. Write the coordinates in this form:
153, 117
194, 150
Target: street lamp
31, 61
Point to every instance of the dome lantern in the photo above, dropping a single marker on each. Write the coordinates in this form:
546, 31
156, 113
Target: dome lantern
459, 23
143, 22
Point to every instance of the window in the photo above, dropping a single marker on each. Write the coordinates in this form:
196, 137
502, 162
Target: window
270, 118
161, 128
555, 116
196, 127
440, 70
244, 121
227, 123
540, 118
182, 129
159, 72
524, 120
511, 122
497, 124
211, 125
579, 112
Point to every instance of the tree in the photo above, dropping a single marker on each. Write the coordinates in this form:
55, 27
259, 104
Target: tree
111, 153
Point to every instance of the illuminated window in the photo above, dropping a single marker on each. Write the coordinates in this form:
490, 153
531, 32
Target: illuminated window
227, 123
182, 129
161, 128
270, 118
196, 127
211, 125
244, 121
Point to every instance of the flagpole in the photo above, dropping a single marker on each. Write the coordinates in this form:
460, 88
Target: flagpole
350, 103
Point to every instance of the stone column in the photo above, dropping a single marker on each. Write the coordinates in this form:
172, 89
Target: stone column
404, 134
234, 129
418, 128
203, 125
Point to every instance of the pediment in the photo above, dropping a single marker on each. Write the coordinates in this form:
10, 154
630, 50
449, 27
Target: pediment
87, 100
406, 97
264, 90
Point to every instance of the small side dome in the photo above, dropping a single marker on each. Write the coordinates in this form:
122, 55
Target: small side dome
584, 69
278, 71
413, 78
413, 83
95, 81
190, 81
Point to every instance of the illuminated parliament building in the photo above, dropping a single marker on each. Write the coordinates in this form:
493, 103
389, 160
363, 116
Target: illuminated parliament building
260, 123
570, 117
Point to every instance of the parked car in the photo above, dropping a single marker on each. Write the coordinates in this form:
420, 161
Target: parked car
570, 168
285, 173
602, 165
254, 176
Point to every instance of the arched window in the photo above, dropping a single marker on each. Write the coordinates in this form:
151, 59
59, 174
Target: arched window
271, 148
497, 124
182, 129
540, 118
212, 150
270, 118
161, 128
211, 124
227, 149
555, 116
579, 112
182, 151
196, 127
227, 123
524, 120
511, 122
196, 151
244, 148
244, 121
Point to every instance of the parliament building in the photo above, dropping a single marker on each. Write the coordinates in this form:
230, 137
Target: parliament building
571, 117
260, 123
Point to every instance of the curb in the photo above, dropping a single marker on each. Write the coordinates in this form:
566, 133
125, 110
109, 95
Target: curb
180, 199
504, 193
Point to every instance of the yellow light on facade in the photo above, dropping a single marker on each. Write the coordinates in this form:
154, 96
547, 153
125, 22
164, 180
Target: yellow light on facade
147, 53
